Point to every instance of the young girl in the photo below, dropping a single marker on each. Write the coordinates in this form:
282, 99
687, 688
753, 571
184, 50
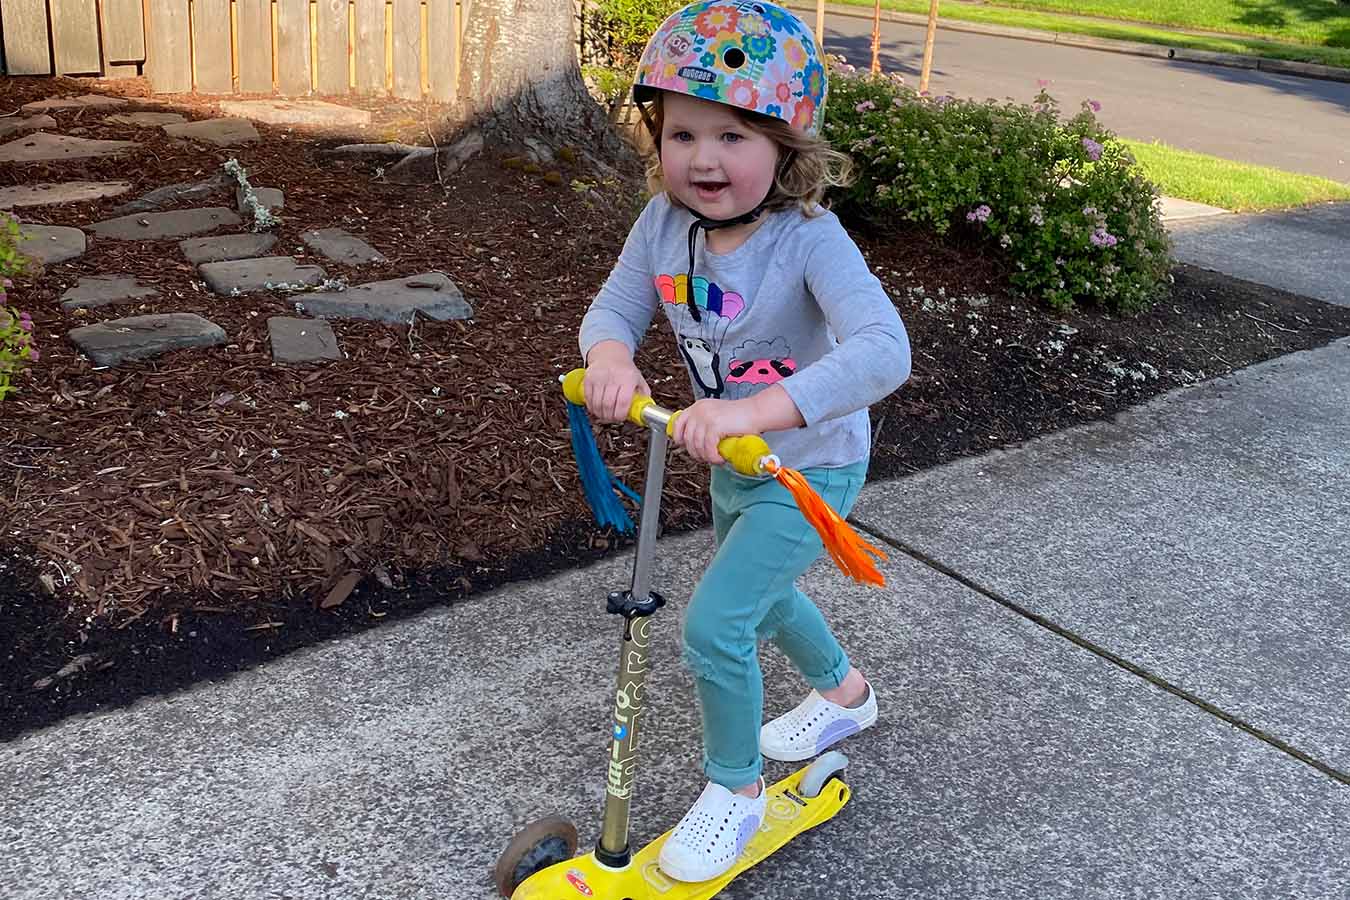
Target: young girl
785, 333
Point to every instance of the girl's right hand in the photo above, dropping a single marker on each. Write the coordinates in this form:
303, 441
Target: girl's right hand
611, 381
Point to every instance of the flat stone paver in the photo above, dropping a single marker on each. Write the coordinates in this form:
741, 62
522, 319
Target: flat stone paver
141, 337
339, 246
44, 147
395, 301
145, 119
190, 191
51, 244
103, 290
221, 132
273, 273
52, 193
226, 247
302, 340
296, 112
270, 199
28, 123
178, 223
84, 101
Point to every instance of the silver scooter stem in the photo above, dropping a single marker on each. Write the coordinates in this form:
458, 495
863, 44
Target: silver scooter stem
633, 656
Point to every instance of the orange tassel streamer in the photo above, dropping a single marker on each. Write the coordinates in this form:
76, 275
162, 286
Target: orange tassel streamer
847, 549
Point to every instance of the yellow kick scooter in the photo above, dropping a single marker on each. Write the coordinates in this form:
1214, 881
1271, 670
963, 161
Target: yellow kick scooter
540, 862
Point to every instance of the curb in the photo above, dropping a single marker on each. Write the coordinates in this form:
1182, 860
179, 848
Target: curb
1109, 45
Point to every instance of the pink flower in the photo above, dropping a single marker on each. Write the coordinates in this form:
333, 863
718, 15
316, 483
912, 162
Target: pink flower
864, 106
1094, 149
1101, 238
34, 355
1042, 82
1096, 107
979, 213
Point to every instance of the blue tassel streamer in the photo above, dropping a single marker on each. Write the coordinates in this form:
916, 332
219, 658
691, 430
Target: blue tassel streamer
596, 481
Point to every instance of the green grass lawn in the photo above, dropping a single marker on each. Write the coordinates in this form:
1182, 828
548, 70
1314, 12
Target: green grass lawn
1230, 185
1127, 31
1323, 23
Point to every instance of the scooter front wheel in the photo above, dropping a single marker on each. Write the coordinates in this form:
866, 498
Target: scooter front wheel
537, 846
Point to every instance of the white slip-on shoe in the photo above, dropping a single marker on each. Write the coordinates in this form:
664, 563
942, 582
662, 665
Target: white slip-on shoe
712, 834
814, 726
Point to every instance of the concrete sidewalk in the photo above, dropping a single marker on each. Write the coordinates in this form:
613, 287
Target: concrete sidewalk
1304, 251
1128, 681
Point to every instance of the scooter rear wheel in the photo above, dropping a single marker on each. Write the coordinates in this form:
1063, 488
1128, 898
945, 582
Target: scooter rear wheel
819, 773
535, 847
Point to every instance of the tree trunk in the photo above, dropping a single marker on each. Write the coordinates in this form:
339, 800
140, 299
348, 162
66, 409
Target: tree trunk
519, 78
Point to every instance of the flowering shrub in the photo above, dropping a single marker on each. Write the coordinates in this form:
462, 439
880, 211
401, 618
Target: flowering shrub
1062, 199
16, 328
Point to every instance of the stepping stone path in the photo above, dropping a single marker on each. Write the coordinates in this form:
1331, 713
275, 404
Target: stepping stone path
51, 244
221, 132
226, 247
19, 126
85, 101
102, 290
341, 247
49, 193
302, 340
145, 119
395, 301
44, 147
141, 337
240, 276
178, 223
296, 112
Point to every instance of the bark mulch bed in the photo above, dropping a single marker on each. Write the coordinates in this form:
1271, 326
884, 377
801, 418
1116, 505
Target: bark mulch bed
192, 515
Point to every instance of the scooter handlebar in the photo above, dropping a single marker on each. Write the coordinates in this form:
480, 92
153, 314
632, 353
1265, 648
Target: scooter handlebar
746, 453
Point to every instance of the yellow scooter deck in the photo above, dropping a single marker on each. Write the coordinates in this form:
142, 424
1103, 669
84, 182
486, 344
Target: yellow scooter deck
787, 814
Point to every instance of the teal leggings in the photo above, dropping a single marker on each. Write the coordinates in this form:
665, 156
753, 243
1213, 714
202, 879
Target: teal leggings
749, 594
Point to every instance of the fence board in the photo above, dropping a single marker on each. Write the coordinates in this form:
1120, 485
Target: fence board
293, 70
123, 31
408, 49
442, 48
254, 41
370, 46
75, 37
331, 47
168, 56
26, 50
211, 46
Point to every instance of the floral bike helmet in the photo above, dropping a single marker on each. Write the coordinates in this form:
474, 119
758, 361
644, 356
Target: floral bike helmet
749, 54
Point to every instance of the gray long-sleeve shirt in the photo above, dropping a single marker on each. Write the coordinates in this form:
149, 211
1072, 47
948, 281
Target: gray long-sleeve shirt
794, 305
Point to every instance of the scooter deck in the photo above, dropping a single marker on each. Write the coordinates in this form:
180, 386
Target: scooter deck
787, 814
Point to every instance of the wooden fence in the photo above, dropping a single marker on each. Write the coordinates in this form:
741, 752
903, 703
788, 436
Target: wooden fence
408, 48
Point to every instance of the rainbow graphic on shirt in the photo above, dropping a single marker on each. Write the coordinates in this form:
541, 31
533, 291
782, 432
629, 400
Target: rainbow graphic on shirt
674, 289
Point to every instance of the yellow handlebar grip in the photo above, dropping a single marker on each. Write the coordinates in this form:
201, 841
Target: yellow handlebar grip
572, 390
744, 452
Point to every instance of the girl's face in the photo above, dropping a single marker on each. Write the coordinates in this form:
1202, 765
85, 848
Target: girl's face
712, 162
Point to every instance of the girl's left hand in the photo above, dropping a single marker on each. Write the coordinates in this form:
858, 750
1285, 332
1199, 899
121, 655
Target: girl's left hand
702, 426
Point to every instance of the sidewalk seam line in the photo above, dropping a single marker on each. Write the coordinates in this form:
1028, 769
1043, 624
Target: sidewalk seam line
1133, 668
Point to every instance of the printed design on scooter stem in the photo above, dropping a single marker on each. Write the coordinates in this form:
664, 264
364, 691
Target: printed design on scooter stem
627, 711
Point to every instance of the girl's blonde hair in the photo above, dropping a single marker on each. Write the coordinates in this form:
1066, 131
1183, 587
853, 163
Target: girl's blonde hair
807, 168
